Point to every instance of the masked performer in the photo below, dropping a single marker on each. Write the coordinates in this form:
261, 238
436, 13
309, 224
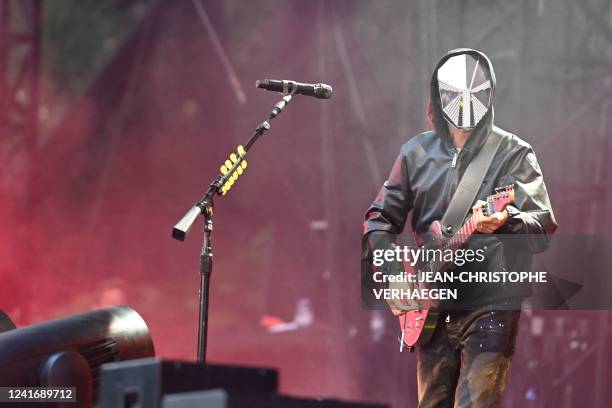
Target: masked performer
467, 360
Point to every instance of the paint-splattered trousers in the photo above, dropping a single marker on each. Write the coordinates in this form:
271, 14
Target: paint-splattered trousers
467, 361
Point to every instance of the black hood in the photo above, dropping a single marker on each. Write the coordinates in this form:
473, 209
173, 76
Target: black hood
483, 129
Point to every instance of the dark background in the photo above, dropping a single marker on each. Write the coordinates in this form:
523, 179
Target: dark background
140, 102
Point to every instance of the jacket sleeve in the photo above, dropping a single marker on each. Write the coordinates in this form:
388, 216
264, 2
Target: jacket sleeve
531, 214
389, 210
384, 219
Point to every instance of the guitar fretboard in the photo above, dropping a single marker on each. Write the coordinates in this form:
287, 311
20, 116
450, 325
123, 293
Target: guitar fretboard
462, 235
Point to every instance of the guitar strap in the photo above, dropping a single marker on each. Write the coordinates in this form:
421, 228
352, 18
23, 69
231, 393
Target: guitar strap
468, 186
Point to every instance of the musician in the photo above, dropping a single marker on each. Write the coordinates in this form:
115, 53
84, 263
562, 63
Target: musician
467, 360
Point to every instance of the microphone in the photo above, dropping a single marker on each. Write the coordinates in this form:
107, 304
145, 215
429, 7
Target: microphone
321, 91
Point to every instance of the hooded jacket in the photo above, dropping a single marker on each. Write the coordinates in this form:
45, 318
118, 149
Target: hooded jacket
423, 181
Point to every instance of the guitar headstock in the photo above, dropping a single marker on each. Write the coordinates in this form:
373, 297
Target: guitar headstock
503, 197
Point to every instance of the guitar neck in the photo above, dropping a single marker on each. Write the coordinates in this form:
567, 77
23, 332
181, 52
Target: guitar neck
456, 242
461, 237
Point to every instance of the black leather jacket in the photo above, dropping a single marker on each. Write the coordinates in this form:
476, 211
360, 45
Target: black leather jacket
424, 178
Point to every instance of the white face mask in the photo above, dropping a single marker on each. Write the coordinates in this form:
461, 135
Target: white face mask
465, 90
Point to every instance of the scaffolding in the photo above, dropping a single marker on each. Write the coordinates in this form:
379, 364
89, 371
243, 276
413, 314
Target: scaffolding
20, 55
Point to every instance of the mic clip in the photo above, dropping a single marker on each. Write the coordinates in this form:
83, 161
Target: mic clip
294, 87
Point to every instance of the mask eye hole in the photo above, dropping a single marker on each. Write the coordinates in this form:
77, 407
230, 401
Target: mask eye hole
447, 97
483, 96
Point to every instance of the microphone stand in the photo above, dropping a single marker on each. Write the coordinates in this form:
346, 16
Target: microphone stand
205, 206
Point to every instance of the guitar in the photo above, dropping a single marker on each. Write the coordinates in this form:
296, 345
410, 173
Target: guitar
417, 326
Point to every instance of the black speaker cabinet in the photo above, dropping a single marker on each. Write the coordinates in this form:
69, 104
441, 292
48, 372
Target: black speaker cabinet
155, 383
142, 383
220, 399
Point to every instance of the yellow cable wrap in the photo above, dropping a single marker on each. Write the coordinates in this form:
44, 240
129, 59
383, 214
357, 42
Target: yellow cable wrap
235, 166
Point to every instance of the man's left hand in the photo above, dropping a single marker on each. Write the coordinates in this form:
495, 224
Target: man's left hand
487, 224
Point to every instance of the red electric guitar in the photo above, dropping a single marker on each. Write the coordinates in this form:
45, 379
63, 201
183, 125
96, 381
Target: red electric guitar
417, 326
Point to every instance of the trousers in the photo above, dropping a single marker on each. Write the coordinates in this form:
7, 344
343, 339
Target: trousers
467, 361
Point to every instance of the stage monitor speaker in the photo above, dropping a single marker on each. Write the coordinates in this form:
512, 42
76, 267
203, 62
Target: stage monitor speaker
221, 399
143, 383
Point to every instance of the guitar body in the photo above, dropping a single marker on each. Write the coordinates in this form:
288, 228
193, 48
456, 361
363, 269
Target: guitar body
417, 326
